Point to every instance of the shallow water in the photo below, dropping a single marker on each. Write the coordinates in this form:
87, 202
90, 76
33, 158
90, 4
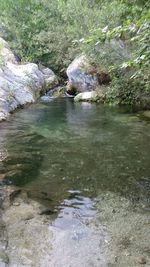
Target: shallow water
89, 166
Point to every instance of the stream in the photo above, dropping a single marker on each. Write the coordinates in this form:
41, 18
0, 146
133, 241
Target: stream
76, 182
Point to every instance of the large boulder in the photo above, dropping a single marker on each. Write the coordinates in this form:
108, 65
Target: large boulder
80, 77
85, 75
20, 83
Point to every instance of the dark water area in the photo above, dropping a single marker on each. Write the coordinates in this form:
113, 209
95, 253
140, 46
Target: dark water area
70, 156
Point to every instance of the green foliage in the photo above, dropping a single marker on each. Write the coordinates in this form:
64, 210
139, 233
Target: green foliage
125, 51
116, 35
47, 31
43, 31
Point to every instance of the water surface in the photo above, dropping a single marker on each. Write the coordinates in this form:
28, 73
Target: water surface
89, 166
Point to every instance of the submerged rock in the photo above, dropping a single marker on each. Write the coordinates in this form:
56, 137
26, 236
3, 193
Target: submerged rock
20, 83
28, 238
141, 260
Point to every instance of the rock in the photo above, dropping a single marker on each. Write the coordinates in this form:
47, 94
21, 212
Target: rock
3, 258
2, 175
20, 83
79, 75
87, 96
5, 53
46, 99
143, 100
146, 114
50, 79
27, 235
141, 260
57, 92
16, 204
69, 95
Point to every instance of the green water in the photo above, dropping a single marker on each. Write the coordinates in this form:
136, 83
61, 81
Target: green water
64, 146
78, 158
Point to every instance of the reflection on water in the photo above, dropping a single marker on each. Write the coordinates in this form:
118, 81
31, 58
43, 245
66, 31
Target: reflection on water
64, 155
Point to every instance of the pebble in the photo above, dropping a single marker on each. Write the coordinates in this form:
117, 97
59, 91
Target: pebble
127, 254
141, 260
113, 211
116, 258
16, 204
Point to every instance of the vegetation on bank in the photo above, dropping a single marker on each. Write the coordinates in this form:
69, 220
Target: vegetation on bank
116, 35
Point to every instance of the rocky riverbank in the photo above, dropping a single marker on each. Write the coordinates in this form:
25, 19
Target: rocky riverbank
32, 235
20, 84
25, 237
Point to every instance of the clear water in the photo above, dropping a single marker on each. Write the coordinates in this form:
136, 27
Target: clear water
78, 160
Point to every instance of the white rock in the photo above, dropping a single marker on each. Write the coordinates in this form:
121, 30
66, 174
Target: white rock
87, 96
5, 52
20, 83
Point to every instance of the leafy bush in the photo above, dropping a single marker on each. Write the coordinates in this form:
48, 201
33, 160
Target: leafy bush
114, 33
47, 31
43, 31
124, 50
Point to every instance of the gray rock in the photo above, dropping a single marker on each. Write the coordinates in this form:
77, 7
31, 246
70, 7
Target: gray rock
56, 92
5, 52
91, 96
20, 83
146, 114
46, 98
79, 75
3, 258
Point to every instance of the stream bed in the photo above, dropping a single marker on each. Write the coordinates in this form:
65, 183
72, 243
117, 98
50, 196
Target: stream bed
74, 186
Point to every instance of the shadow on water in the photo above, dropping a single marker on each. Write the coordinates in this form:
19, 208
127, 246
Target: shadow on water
23, 166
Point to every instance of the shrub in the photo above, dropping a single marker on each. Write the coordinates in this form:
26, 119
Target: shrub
114, 33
